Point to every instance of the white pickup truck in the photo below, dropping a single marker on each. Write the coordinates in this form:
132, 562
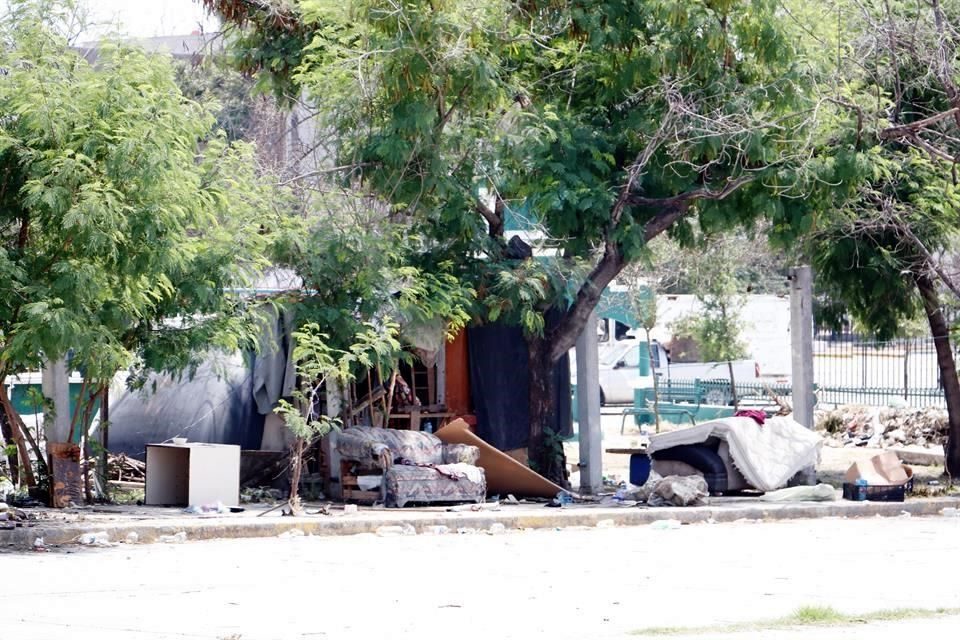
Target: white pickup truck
620, 374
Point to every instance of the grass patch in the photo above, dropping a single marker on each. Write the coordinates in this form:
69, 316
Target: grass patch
804, 617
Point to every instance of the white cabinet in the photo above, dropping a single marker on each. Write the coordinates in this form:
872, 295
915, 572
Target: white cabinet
194, 473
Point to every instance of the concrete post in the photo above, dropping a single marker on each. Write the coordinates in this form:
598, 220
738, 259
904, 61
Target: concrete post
801, 340
55, 383
588, 401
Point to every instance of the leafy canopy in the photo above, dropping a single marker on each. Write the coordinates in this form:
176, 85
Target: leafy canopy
124, 217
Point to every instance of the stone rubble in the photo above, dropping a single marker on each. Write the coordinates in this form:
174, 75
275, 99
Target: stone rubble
860, 426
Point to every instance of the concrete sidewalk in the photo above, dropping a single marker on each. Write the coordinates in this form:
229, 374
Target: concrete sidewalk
151, 524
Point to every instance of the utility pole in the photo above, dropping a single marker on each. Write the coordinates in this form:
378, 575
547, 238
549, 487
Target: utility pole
588, 407
801, 341
55, 383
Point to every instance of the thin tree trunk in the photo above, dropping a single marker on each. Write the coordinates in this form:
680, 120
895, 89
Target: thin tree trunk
104, 435
545, 450
296, 467
948, 369
733, 386
16, 434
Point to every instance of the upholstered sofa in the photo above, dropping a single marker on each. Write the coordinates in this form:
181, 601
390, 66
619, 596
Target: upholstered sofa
416, 466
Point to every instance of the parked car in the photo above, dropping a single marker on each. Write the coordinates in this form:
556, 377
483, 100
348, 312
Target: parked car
620, 375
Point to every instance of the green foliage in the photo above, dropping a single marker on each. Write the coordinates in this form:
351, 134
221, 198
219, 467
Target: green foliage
124, 216
318, 363
210, 80
716, 327
357, 272
870, 243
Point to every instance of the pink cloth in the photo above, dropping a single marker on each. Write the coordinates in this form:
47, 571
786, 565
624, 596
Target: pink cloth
758, 416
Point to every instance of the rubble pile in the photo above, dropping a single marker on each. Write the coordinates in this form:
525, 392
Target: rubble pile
859, 426
11, 517
121, 468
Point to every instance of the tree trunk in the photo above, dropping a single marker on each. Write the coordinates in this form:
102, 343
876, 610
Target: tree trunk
545, 450
948, 369
16, 434
296, 467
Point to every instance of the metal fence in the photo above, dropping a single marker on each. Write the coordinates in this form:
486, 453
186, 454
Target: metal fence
849, 369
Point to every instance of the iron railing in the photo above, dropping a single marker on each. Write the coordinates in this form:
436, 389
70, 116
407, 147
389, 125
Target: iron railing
849, 369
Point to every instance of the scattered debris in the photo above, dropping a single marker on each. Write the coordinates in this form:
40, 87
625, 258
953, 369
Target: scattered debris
679, 491
132, 538
121, 468
486, 506
260, 494
436, 530
95, 539
663, 525
349, 508
861, 426
39, 545
176, 538
389, 531
496, 528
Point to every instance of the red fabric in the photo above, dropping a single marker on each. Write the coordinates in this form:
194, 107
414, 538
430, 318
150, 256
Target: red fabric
758, 416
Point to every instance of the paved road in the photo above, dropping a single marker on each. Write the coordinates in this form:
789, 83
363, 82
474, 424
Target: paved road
600, 583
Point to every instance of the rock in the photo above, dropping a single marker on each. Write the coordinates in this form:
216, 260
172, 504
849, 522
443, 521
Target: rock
678, 491
176, 538
436, 530
496, 528
95, 539
132, 538
3, 506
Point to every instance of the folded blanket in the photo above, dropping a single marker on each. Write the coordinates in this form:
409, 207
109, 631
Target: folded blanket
767, 456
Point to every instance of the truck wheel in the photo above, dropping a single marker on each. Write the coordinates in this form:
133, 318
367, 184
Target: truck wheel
603, 398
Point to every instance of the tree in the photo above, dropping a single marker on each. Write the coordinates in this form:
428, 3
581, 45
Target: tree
317, 365
613, 122
716, 327
124, 216
879, 253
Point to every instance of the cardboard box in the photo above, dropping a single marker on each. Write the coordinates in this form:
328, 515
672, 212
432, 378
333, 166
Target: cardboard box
884, 469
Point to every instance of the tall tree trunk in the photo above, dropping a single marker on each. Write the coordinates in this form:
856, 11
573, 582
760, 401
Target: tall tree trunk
16, 434
545, 450
948, 369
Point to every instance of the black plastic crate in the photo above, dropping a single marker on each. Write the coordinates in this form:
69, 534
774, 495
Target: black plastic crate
876, 493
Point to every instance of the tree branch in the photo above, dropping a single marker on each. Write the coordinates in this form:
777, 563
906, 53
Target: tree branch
902, 130
674, 207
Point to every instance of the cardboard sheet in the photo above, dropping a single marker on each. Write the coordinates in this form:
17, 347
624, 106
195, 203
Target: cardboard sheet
504, 474
884, 469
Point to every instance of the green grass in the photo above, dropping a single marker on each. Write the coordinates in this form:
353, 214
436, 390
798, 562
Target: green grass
810, 616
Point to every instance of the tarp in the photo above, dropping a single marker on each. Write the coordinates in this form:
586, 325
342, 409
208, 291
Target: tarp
216, 406
499, 387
